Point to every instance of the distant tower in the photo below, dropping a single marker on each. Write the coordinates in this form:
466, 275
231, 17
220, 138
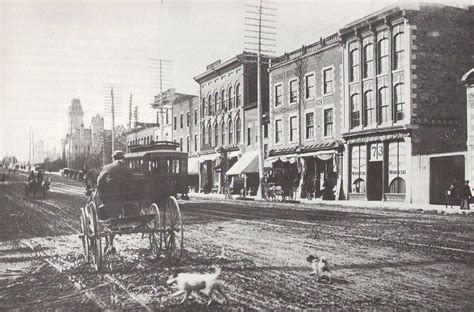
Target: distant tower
76, 116
97, 135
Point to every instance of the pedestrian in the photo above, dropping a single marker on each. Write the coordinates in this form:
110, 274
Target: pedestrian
448, 200
466, 196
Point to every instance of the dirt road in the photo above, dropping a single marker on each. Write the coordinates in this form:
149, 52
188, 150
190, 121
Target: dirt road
380, 259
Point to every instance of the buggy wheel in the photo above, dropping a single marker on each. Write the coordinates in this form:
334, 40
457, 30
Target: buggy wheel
173, 236
85, 235
95, 242
155, 237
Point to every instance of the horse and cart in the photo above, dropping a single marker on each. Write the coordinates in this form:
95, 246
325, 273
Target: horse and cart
150, 207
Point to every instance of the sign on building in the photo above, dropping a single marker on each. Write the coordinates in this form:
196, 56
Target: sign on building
376, 152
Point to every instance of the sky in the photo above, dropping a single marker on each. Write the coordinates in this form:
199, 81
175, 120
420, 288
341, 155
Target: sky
54, 51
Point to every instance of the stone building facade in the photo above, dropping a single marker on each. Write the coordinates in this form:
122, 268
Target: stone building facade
228, 121
404, 103
306, 113
468, 80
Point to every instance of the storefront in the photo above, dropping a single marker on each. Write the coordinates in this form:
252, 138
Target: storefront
245, 169
378, 168
207, 175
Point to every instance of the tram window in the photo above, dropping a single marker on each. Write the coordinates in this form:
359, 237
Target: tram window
183, 165
176, 168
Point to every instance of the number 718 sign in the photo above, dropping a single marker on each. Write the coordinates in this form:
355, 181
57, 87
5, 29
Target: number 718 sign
376, 152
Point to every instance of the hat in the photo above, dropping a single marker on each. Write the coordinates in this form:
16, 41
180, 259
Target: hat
118, 155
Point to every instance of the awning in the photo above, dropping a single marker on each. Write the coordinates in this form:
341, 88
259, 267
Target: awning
248, 163
271, 160
193, 166
136, 154
234, 154
203, 158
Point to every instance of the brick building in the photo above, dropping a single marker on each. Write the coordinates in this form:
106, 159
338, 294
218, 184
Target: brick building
306, 113
228, 121
404, 103
178, 121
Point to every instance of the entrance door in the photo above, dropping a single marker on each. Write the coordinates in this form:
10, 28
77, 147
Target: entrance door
374, 180
443, 172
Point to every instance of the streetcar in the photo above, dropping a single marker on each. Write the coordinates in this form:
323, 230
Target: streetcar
159, 175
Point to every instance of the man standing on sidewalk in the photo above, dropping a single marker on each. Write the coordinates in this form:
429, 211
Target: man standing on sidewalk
466, 196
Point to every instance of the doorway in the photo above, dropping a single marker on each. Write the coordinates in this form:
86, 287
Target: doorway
443, 172
374, 180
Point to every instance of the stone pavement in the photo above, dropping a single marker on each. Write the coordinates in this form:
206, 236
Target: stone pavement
353, 203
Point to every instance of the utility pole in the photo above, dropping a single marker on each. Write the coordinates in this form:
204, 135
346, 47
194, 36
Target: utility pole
130, 112
162, 68
113, 119
258, 26
112, 106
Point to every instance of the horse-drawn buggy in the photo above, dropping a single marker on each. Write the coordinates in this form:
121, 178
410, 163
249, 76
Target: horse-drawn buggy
149, 206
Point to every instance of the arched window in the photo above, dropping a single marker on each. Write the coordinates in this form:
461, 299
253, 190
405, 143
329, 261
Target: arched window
231, 133
397, 186
368, 60
216, 134
399, 102
358, 186
223, 133
384, 104
382, 56
216, 102
203, 108
223, 99
238, 98
209, 135
354, 64
203, 134
369, 108
355, 111
231, 99
238, 130
398, 51
210, 104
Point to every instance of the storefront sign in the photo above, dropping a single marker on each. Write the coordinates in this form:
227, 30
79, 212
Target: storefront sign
376, 152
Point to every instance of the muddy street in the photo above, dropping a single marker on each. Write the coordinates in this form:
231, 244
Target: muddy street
380, 259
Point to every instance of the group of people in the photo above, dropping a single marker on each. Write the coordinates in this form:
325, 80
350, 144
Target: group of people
465, 195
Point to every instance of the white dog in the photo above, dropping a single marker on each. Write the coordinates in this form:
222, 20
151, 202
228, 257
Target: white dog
206, 283
320, 267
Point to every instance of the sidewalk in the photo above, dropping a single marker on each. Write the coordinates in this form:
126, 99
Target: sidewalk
355, 204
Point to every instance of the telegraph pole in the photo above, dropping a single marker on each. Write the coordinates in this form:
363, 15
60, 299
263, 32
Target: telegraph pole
112, 106
258, 26
130, 112
113, 119
163, 68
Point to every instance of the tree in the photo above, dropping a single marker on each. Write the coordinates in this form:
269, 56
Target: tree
8, 159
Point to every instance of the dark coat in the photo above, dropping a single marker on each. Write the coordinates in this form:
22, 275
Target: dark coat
115, 178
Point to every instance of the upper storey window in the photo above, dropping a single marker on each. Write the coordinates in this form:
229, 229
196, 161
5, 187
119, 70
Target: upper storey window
238, 96
231, 99
328, 81
293, 91
278, 95
355, 111
368, 60
398, 50
354, 64
203, 108
309, 86
210, 105
382, 50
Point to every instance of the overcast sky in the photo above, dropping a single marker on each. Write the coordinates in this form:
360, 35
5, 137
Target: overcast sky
54, 51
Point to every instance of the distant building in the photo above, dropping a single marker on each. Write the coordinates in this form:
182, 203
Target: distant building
468, 80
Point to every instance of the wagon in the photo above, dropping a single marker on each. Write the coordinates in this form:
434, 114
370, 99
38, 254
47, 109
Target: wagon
151, 208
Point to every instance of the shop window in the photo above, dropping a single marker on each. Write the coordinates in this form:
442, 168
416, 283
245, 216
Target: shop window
216, 135
328, 81
293, 128
368, 60
309, 125
382, 59
354, 65
397, 166
278, 131
355, 111
399, 102
384, 104
278, 95
369, 108
309, 86
293, 91
358, 168
398, 51
328, 122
